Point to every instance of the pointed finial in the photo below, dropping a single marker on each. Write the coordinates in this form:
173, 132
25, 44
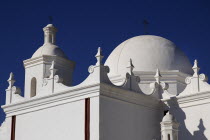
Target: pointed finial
52, 65
49, 34
157, 76
99, 56
11, 80
195, 68
52, 69
130, 66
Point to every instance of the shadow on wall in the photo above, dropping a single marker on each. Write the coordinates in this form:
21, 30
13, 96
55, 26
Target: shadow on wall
184, 133
199, 134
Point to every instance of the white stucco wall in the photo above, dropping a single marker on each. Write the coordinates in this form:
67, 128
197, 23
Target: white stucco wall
37, 72
94, 118
194, 122
120, 120
61, 122
5, 129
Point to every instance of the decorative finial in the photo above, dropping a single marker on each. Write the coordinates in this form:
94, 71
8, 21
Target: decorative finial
130, 66
99, 57
195, 68
11, 80
49, 34
157, 76
52, 69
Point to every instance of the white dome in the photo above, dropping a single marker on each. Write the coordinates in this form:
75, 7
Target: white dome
148, 53
49, 49
168, 118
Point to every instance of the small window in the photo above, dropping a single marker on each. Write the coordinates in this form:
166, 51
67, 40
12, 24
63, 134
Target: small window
33, 87
169, 138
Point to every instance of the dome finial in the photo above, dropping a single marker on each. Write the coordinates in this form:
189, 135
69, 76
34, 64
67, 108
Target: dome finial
157, 76
52, 69
49, 34
11, 80
195, 68
99, 56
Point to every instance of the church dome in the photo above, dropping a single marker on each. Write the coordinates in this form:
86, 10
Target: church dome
49, 47
148, 52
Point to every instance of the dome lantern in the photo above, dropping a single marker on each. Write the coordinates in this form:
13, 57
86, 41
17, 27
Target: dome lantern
45, 62
49, 34
49, 47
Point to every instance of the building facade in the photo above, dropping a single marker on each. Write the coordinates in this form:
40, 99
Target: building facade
146, 90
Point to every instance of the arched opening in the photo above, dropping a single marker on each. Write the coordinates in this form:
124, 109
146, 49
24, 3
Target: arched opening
169, 138
33, 87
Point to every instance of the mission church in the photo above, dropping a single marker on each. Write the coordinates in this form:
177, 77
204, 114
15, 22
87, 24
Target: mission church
146, 90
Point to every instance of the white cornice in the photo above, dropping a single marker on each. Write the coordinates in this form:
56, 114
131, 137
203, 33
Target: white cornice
78, 93
46, 59
148, 76
173, 75
47, 101
195, 99
130, 96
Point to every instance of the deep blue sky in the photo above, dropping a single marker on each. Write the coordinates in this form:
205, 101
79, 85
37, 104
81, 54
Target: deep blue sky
85, 25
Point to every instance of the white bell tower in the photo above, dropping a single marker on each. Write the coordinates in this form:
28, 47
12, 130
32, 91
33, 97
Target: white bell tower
37, 67
169, 128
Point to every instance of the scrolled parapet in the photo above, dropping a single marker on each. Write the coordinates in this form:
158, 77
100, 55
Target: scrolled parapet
13, 93
91, 69
158, 87
164, 85
153, 88
203, 77
131, 82
135, 78
53, 82
188, 80
196, 83
16, 90
58, 79
98, 72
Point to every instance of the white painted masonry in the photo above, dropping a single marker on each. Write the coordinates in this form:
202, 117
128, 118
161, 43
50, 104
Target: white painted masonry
125, 99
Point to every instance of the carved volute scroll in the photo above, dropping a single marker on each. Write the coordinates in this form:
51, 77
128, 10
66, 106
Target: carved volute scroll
196, 83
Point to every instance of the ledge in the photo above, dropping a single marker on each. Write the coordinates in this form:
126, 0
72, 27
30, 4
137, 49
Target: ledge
190, 100
72, 94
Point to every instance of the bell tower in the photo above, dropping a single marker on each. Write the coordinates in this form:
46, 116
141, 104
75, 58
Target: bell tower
37, 67
169, 128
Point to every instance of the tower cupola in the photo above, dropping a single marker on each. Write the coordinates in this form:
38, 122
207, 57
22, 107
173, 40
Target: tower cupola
38, 66
169, 127
49, 47
49, 34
